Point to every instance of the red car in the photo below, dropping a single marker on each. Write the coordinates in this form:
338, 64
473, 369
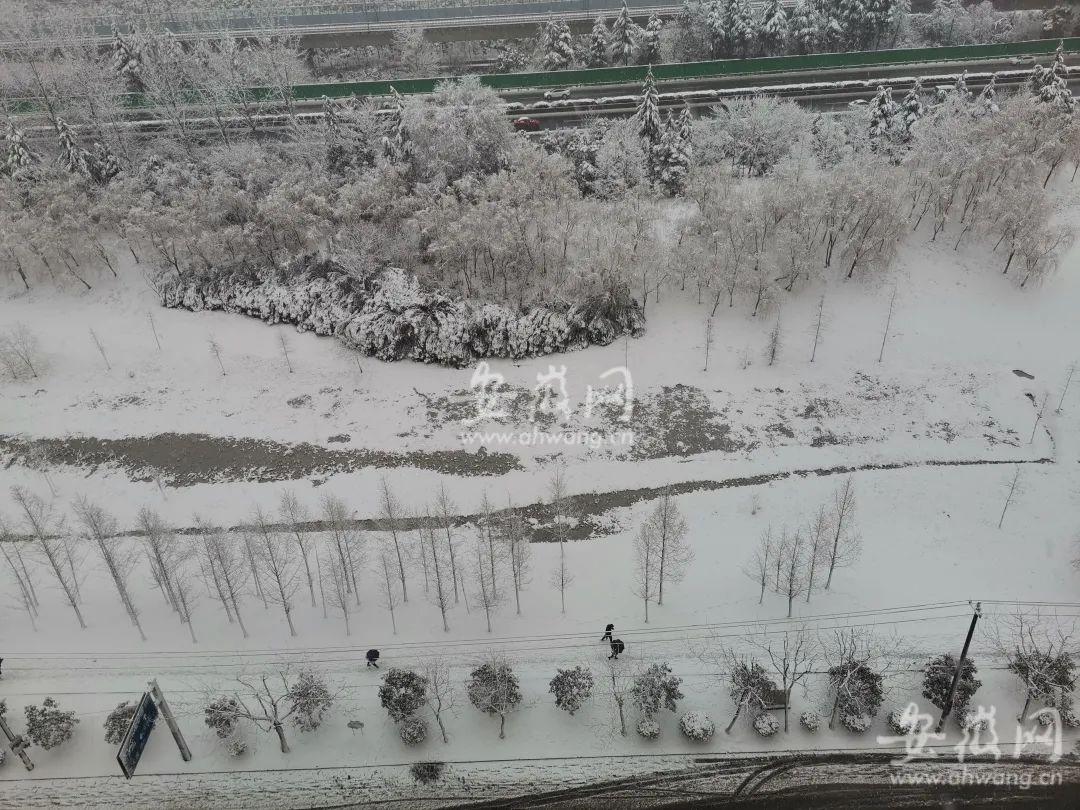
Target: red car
525, 124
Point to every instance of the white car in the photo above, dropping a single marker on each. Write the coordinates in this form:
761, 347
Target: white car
554, 94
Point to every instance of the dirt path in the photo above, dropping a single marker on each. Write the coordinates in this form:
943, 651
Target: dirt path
186, 459
591, 505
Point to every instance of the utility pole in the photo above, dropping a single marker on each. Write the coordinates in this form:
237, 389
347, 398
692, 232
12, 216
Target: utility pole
18, 744
170, 719
959, 667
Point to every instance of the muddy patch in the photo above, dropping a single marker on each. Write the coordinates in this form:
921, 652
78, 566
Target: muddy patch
186, 459
679, 420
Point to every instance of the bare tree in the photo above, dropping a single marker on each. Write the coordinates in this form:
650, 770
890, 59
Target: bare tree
100, 529
294, 516
47, 531
518, 552
485, 594
277, 561
19, 347
385, 572
215, 350
1039, 416
819, 322
1038, 646
18, 573
488, 530
228, 568
160, 545
708, 339
794, 564
792, 655
775, 343
339, 591
817, 548
845, 540
305, 700
153, 328
617, 690
674, 555
346, 542
445, 509
646, 565
440, 586
761, 564
748, 684
1014, 487
441, 692
561, 577
101, 349
184, 582
391, 515
285, 350
1068, 380
888, 324
250, 544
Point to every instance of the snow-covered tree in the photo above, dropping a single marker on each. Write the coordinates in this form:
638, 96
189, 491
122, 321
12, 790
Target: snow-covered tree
624, 35
741, 26
127, 62
1037, 648
558, 45
493, 688
48, 725
802, 27
749, 686
773, 27
571, 687
855, 677
518, 553
72, 157
278, 565
656, 688
118, 721
912, 107
268, 704
19, 161
391, 514
223, 569
650, 127
883, 113
649, 42
1048, 85
987, 101
960, 89
403, 693
294, 517
599, 44
937, 680
441, 695
846, 543
792, 655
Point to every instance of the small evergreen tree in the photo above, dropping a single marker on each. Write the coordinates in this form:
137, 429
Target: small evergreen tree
624, 33
649, 46
72, 156
802, 27
403, 693
222, 716
558, 45
571, 687
19, 161
883, 111
741, 26
599, 43
912, 107
857, 691
127, 63
118, 721
101, 164
961, 88
773, 27
937, 679
716, 20
988, 97
310, 698
48, 725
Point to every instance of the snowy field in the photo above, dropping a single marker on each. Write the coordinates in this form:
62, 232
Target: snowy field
746, 446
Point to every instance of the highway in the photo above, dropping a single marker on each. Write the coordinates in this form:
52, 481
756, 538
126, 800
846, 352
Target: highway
351, 24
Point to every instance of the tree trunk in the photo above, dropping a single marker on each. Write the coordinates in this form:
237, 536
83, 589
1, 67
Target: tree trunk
280, 729
738, 711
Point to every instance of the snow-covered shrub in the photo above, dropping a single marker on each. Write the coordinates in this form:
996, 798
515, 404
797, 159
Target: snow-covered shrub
402, 693
809, 720
413, 730
973, 722
1070, 719
697, 726
236, 746
901, 722
857, 722
389, 317
766, 725
48, 726
648, 728
427, 772
571, 688
656, 688
310, 698
937, 681
222, 716
117, 722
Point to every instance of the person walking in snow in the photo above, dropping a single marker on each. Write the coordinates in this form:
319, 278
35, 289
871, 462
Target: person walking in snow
607, 633
373, 658
616, 647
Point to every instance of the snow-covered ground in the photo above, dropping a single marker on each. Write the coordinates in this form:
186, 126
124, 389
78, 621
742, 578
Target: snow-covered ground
164, 428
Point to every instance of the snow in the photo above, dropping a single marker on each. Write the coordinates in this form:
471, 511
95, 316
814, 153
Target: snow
946, 391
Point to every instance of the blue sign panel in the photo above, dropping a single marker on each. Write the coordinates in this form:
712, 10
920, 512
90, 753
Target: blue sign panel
138, 733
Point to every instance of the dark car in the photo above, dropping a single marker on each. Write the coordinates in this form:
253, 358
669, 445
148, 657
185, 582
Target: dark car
524, 124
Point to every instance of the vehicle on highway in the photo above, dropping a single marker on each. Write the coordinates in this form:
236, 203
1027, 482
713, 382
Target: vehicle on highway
526, 124
554, 94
